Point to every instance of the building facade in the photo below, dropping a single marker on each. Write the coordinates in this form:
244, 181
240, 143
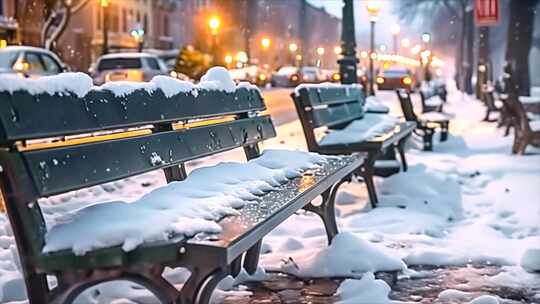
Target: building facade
172, 24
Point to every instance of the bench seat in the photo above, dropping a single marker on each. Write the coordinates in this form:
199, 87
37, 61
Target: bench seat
435, 116
365, 129
238, 232
382, 141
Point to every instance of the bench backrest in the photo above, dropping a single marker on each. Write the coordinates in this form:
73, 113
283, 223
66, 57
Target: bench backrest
327, 106
169, 130
406, 105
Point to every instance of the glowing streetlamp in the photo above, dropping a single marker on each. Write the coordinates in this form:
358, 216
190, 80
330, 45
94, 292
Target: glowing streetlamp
320, 51
214, 23
293, 47
373, 7
426, 37
338, 50
405, 42
228, 60
265, 43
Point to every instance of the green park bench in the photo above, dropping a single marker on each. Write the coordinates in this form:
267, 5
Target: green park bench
159, 132
338, 107
432, 96
426, 123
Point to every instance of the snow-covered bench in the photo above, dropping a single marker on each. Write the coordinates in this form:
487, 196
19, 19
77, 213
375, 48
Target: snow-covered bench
211, 221
426, 123
433, 96
340, 111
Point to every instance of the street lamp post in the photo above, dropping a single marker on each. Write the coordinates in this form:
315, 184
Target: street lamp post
138, 35
214, 24
265, 43
105, 15
395, 30
347, 64
373, 8
293, 47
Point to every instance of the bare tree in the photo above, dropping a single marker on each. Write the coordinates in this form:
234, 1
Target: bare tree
54, 10
452, 11
520, 42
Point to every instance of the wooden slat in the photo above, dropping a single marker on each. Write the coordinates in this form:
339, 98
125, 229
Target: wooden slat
332, 96
24, 116
62, 169
336, 114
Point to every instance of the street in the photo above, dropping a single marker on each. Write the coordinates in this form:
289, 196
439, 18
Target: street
138, 163
280, 105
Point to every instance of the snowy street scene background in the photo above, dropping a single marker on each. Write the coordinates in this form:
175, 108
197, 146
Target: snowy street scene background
459, 222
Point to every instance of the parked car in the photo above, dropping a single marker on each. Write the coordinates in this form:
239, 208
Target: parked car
127, 66
253, 74
289, 76
395, 78
30, 61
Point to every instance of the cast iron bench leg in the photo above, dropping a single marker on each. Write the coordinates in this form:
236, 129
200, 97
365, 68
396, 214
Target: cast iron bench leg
444, 132
326, 211
251, 259
37, 287
428, 139
367, 175
401, 150
200, 285
68, 291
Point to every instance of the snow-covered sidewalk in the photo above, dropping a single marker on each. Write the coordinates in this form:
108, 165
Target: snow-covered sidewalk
470, 203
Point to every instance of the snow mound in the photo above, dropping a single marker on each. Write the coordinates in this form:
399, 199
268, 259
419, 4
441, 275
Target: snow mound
397, 221
367, 290
485, 299
179, 209
424, 189
453, 295
530, 261
216, 78
347, 256
77, 83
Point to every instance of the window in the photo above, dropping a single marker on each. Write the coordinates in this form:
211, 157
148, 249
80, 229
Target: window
51, 66
145, 23
152, 63
98, 17
7, 58
119, 64
166, 26
114, 19
125, 20
34, 63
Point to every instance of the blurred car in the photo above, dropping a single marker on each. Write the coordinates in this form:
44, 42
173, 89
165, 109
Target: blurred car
127, 66
252, 74
289, 76
395, 78
30, 62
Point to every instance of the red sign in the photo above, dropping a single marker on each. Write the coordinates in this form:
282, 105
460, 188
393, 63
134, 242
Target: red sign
486, 12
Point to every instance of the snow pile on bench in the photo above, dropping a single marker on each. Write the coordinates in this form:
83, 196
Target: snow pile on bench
375, 105
179, 209
369, 127
80, 84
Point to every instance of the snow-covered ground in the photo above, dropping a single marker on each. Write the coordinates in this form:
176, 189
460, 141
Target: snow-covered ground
470, 202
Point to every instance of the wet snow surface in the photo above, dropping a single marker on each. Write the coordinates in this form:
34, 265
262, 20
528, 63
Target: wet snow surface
462, 226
